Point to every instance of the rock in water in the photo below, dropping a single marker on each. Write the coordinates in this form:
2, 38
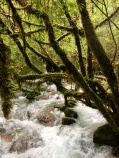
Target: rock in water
106, 136
68, 121
69, 112
46, 119
46, 116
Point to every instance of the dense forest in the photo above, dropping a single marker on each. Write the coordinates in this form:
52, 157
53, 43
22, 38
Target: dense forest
61, 40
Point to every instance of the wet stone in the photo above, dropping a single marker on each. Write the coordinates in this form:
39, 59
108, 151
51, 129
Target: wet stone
106, 136
47, 120
68, 121
46, 117
69, 112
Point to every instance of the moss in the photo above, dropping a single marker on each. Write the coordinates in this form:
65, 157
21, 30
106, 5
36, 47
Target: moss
106, 136
68, 121
63, 108
70, 113
71, 103
5, 79
32, 95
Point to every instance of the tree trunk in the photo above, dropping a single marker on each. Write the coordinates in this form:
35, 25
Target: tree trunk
5, 79
99, 52
89, 64
74, 73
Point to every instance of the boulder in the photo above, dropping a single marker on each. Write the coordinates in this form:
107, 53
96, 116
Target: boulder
69, 112
68, 121
106, 136
46, 116
32, 95
47, 119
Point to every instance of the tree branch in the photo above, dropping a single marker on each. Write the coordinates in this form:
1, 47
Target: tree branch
27, 60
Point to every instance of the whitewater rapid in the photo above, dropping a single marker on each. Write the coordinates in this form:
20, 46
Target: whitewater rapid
30, 139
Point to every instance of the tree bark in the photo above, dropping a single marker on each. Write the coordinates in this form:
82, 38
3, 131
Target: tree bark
89, 66
5, 79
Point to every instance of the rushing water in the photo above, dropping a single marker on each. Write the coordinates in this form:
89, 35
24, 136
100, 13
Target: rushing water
27, 138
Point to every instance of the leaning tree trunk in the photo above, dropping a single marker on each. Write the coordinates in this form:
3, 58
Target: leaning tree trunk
74, 73
99, 52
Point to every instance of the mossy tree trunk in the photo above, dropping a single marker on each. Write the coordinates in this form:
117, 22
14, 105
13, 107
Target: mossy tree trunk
5, 79
99, 52
74, 73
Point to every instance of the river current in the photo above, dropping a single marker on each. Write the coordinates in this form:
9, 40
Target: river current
22, 136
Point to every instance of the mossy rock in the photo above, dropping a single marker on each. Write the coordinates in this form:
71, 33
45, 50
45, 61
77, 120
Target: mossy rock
32, 95
69, 112
106, 136
68, 121
63, 108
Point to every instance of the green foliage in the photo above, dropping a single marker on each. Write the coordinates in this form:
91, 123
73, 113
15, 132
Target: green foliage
81, 6
71, 103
